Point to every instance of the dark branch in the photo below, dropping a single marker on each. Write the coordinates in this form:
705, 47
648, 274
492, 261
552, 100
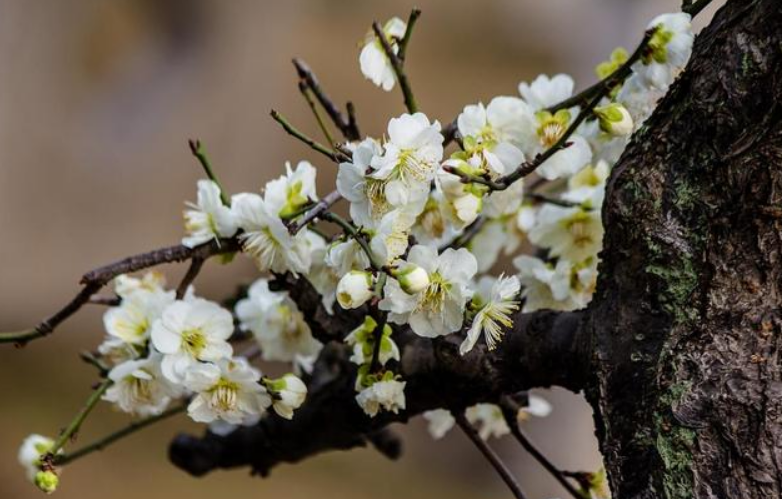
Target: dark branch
398, 65
544, 348
347, 127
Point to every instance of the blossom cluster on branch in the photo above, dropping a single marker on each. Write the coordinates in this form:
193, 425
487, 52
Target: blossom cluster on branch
426, 227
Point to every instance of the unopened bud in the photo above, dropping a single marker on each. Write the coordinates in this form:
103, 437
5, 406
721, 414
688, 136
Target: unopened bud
47, 481
615, 119
412, 279
354, 289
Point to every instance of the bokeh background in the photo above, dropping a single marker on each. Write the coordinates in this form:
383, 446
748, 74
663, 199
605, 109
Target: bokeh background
97, 101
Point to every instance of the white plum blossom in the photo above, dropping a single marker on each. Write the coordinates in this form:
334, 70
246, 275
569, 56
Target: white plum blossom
140, 388
391, 237
494, 314
411, 156
557, 287
151, 282
373, 60
31, 451
614, 119
346, 255
267, 240
287, 194
288, 393
354, 289
439, 309
574, 233
588, 185
228, 390
536, 406
132, 320
489, 420
189, 332
440, 422
277, 324
546, 91
387, 394
209, 219
494, 133
367, 195
670, 49
362, 339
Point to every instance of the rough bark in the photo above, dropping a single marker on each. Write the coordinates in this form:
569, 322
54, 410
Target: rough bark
686, 321
679, 351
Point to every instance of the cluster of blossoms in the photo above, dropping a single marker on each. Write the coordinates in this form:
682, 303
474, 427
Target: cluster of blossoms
425, 234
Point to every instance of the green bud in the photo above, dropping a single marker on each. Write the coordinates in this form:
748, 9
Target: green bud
614, 119
47, 481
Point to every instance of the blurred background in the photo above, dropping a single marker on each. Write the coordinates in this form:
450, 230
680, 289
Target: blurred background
97, 101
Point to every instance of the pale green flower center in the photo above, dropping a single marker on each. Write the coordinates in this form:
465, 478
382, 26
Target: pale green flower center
224, 395
193, 341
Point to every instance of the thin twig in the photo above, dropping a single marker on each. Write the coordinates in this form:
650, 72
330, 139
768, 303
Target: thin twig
305, 92
542, 198
463, 239
95, 279
192, 272
102, 443
355, 233
510, 409
347, 127
490, 455
106, 301
414, 15
333, 156
71, 430
398, 67
198, 151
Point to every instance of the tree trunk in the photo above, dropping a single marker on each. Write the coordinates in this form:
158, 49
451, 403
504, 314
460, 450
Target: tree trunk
686, 322
679, 351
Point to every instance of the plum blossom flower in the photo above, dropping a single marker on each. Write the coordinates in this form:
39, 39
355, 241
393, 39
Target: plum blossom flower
140, 388
267, 240
440, 422
546, 91
439, 309
209, 218
563, 286
670, 49
489, 419
287, 194
373, 60
33, 448
288, 393
228, 390
189, 332
362, 339
387, 394
574, 233
277, 324
410, 159
354, 289
494, 314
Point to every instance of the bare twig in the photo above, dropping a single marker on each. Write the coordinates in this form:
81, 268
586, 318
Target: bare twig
106, 301
510, 409
305, 92
398, 65
414, 15
332, 155
102, 443
463, 239
96, 279
198, 151
72, 428
347, 127
490, 455
192, 272
542, 198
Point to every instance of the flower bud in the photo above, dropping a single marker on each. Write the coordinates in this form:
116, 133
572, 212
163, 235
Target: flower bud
354, 289
412, 279
47, 481
289, 392
467, 208
615, 119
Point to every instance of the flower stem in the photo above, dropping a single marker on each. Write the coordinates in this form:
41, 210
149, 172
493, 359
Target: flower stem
333, 156
71, 430
102, 443
198, 151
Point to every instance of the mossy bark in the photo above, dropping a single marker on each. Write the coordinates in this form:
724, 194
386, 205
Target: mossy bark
686, 323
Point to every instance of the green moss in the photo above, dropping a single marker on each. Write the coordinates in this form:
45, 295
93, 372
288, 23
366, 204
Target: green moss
679, 280
674, 445
686, 195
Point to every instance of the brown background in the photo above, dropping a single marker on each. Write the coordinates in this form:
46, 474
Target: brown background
97, 100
